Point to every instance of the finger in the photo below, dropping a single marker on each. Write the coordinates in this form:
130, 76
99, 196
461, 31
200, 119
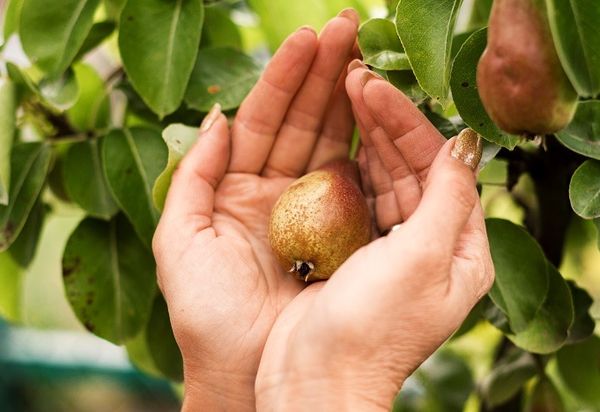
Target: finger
411, 132
338, 129
263, 110
450, 194
387, 200
190, 200
303, 122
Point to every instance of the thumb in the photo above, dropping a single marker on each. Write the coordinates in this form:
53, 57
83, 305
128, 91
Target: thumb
194, 182
450, 193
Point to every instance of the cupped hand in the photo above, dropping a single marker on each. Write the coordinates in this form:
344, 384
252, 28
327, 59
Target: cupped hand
222, 284
350, 342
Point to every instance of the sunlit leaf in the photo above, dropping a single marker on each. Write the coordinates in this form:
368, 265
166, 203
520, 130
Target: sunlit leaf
574, 26
29, 165
221, 75
7, 133
584, 190
133, 159
582, 135
179, 139
158, 41
380, 46
425, 28
52, 32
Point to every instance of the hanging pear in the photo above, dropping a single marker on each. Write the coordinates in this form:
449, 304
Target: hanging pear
520, 79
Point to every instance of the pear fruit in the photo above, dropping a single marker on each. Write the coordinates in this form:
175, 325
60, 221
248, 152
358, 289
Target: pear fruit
519, 76
319, 221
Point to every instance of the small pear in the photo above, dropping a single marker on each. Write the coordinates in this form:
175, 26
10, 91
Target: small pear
319, 221
519, 76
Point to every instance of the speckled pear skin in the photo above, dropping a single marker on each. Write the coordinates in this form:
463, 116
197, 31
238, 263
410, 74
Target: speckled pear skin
519, 77
321, 218
346, 167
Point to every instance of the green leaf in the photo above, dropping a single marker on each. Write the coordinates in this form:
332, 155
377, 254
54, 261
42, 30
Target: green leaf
544, 397
444, 126
109, 278
159, 43
583, 324
521, 281
179, 139
12, 16
597, 224
442, 383
8, 118
114, 8
29, 165
11, 279
133, 159
466, 97
425, 28
380, 46
574, 26
549, 329
84, 179
405, 81
21, 78
98, 33
480, 14
580, 370
221, 75
219, 30
582, 135
53, 32
23, 248
60, 92
507, 377
161, 342
584, 190
472, 319
91, 111
278, 19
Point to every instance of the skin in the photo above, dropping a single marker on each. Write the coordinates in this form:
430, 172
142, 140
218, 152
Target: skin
225, 290
519, 76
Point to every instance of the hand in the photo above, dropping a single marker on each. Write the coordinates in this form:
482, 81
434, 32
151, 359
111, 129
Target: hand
222, 284
350, 342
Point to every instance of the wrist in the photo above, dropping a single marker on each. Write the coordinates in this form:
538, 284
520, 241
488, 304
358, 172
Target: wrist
325, 386
218, 391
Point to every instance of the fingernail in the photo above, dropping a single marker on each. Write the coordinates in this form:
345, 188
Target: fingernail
210, 118
355, 64
351, 14
468, 148
306, 28
369, 75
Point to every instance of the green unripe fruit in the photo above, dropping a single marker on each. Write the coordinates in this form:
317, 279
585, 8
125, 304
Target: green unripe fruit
318, 222
519, 76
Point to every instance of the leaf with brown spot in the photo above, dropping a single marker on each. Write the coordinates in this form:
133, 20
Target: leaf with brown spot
109, 278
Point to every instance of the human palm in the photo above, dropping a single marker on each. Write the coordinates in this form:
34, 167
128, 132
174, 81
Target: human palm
222, 283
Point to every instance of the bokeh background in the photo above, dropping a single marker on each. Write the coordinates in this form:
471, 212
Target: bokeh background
48, 362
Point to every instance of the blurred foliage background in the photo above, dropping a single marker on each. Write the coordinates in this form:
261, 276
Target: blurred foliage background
49, 361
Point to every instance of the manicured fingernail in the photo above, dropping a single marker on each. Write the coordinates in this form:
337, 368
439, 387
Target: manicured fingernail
468, 148
355, 64
369, 75
210, 118
306, 28
351, 14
